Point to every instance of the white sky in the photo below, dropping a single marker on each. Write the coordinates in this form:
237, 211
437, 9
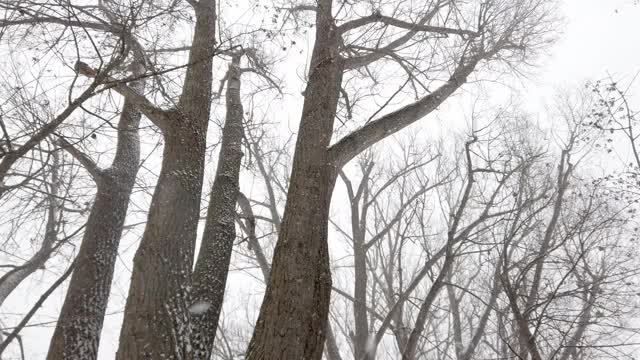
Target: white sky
600, 36
597, 40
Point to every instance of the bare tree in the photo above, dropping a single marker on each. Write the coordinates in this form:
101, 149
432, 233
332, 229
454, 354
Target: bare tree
77, 334
409, 185
506, 242
292, 321
156, 317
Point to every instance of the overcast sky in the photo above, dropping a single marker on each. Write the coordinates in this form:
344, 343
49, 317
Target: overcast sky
600, 36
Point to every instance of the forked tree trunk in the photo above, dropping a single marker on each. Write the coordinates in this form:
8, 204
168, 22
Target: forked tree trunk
293, 317
358, 232
77, 333
212, 267
156, 318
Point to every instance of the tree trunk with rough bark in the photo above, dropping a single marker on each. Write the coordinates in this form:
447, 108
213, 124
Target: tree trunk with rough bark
293, 317
212, 267
77, 333
157, 322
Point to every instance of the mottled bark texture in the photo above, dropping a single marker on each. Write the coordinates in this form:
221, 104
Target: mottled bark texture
77, 333
156, 318
293, 316
214, 257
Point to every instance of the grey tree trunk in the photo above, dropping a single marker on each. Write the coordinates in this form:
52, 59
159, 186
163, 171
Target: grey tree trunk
212, 267
358, 232
77, 333
293, 317
156, 317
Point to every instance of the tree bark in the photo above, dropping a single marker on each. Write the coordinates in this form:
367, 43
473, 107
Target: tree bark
454, 309
156, 318
77, 333
212, 267
293, 317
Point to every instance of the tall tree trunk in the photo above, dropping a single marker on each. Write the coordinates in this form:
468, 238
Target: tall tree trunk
156, 318
212, 267
361, 340
358, 232
293, 317
454, 310
77, 333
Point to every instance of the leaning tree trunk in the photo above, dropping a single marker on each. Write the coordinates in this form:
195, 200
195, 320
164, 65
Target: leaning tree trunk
293, 317
10, 280
77, 333
212, 267
156, 319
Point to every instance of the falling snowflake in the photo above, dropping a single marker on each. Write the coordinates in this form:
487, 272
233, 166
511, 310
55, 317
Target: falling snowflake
199, 307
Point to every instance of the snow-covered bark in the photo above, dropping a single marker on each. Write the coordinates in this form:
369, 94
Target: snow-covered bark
212, 266
156, 316
77, 333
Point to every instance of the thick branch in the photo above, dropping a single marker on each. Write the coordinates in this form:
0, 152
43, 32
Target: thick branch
35, 308
388, 20
61, 21
154, 113
41, 134
250, 230
84, 159
351, 145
